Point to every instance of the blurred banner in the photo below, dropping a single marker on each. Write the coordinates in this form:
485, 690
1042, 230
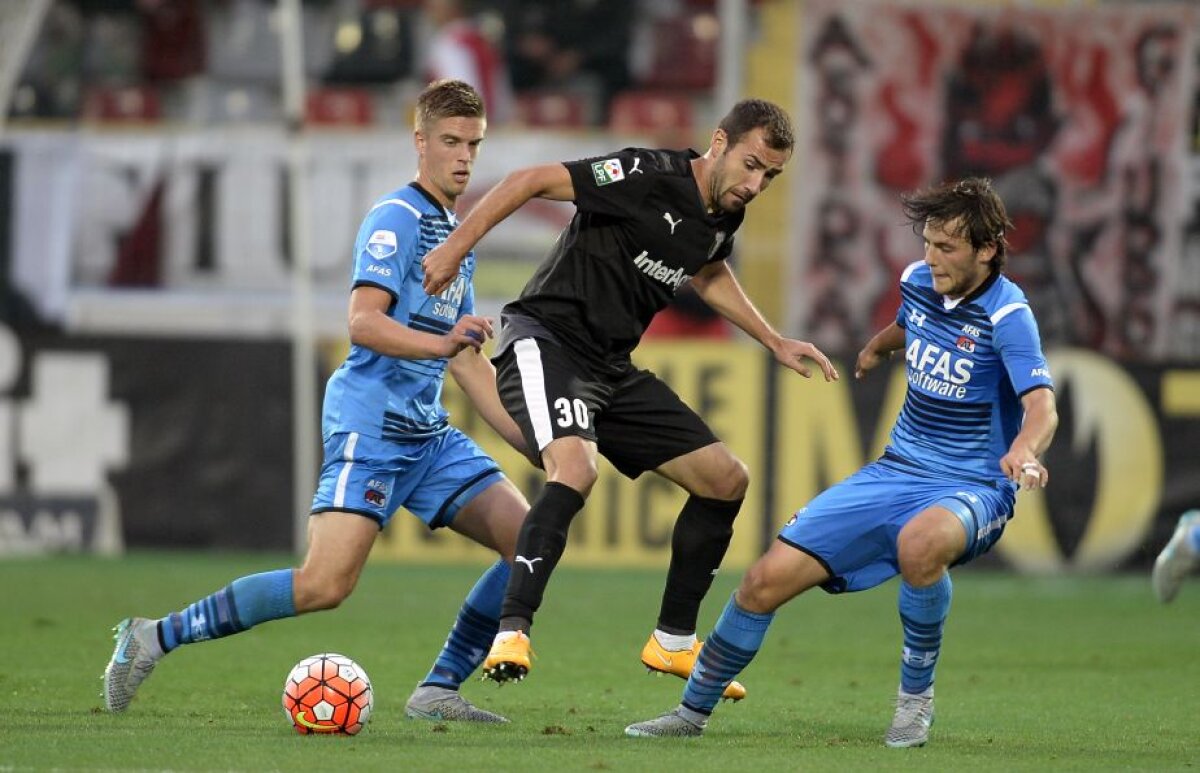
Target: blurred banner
1079, 115
97, 218
184, 443
143, 443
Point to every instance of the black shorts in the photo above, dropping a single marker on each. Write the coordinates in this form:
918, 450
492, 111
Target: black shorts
636, 420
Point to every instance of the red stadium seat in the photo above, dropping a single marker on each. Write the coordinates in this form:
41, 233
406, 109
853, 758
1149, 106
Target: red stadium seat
122, 104
552, 110
668, 118
340, 107
685, 53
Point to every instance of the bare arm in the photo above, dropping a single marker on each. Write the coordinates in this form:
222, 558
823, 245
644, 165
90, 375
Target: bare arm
719, 288
477, 377
550, 181
1021, 463
879, 348
371, 327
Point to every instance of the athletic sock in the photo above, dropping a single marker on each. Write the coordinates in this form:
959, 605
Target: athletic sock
727, 651
539, 546
473, 631
672, 642
698, 544
923, 613
240, 605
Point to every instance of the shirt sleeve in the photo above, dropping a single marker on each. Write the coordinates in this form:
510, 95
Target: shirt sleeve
386, 248
613, 185
1016, 338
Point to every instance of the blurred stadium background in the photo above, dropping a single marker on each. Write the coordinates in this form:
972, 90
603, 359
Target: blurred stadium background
172, 292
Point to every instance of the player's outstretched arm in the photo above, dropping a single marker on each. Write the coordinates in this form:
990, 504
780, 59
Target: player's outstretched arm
477, 377
550, 181
879, 349
371, 327
1021, 464
720, 289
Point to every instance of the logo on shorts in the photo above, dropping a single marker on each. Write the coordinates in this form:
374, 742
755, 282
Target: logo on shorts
376, 493
609, 171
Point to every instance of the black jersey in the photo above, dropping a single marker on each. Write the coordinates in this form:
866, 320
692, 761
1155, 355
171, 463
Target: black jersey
640, 231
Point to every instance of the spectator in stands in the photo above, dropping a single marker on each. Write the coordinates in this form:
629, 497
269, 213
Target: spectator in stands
570, 44
461, 49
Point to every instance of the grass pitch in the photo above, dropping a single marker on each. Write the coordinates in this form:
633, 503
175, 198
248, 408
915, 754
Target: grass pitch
1036, 674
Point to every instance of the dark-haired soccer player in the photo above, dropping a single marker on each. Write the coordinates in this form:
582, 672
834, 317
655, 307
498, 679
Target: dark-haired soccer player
388, 442
979, 412
646, 223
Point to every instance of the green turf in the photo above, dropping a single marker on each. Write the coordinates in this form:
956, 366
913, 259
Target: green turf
1037, 674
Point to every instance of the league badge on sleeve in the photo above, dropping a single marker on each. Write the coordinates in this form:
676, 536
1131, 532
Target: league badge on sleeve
608, 171
382, 244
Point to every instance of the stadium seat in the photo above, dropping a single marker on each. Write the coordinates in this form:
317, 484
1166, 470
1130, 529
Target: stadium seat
122, 104
667, 118
685, 53
552, 110
340, 107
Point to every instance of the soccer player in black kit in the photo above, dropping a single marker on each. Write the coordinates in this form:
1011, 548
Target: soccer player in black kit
646, 222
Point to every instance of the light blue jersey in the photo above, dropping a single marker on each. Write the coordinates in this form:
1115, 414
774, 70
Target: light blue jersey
969, 362
387, 397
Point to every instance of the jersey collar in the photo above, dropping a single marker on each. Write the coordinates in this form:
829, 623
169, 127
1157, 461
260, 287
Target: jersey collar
429, 197
978, 291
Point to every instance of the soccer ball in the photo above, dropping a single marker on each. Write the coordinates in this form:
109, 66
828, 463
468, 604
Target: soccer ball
327, 693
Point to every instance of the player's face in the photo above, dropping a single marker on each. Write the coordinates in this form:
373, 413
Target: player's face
446, 151
745, 170
957, 267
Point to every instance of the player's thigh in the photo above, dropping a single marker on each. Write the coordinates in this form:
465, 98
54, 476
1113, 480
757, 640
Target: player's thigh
981, 511
494, 517
338, 546
781, 574
930, 543
457, 471
647, 425
712, 472
547, 395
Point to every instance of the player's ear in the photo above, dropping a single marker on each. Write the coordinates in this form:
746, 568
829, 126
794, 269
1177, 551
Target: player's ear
419, 141
720, 141
986, 253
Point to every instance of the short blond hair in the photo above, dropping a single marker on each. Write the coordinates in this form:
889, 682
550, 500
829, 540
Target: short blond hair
447, 98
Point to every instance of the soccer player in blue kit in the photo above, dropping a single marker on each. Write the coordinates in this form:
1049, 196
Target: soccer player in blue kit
979, 412
387, 438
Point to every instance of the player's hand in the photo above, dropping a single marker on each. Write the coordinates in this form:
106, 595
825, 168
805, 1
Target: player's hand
867, 359
792, 354
441, 266
1023, 469
470, 331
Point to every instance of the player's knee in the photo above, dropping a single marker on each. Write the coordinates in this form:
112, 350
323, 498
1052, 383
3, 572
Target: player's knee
757, 593
580, 474
312, 593
920, 558
728, 481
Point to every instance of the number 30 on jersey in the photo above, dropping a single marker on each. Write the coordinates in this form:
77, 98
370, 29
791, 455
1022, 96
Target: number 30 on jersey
571, 412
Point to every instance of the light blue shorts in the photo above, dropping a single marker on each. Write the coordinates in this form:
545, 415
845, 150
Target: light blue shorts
433, 477
852, 527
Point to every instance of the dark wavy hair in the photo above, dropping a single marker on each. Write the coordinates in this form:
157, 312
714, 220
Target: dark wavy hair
447, 98
750, 114
982, 219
